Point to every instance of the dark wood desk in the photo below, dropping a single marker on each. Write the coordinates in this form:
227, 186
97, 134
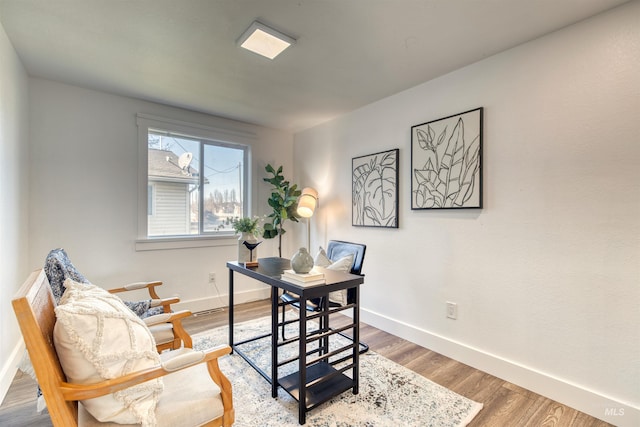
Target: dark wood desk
319, 376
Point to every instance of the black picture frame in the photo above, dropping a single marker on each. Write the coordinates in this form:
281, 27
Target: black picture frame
446, 162
375, 189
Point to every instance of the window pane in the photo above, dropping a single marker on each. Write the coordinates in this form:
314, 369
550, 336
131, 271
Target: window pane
174, 174
223, 186
150, 199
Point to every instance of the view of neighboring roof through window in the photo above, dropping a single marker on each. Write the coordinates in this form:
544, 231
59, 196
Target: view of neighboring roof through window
196, 186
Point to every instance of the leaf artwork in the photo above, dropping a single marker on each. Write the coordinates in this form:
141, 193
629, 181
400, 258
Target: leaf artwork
446, 162
375, 181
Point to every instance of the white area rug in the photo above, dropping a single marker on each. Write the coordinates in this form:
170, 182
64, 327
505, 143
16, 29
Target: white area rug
390, 395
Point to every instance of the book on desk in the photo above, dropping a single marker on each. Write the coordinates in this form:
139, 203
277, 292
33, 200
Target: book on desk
311, 278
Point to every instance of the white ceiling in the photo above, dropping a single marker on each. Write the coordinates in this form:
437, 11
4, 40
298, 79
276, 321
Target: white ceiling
349, 53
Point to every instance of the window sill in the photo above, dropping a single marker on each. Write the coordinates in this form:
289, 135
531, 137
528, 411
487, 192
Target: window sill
164, 243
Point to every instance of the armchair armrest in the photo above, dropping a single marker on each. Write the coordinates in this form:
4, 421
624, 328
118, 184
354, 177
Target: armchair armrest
183, 360
166, 317
139, 285
165, 303
156, 301
89, 391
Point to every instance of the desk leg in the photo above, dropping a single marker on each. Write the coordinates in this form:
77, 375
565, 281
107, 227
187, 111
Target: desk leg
356, 341
274, 341
231, 309
302, 364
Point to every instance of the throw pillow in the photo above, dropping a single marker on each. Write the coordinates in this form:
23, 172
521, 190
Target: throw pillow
98, 338
343, 264
321, 259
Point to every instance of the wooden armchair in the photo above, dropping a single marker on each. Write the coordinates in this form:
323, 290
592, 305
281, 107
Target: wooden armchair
165, 325
205, 396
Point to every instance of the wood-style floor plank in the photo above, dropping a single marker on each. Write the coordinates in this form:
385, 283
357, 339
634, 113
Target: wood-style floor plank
505, 404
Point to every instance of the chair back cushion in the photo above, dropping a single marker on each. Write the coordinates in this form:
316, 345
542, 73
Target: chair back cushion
98, 338
337, 249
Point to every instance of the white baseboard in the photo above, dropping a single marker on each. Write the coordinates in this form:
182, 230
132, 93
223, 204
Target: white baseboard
217, 302
573, 395
10, 368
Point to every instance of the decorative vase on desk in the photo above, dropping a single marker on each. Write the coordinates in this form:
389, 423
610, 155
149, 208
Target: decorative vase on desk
302, 261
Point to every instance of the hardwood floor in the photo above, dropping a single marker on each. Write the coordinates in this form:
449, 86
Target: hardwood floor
505, 404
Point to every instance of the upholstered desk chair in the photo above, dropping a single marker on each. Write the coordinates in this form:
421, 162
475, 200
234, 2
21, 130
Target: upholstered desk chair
336, 250
182, 387
165, 325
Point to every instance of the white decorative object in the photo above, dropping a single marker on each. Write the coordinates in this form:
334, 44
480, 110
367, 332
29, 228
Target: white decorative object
97, 338
244, 254
343, 264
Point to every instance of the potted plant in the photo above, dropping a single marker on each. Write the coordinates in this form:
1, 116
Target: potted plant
246, 225
283, 201
249, 229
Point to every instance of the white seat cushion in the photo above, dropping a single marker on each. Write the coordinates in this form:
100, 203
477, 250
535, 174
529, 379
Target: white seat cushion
190, 398
162, 333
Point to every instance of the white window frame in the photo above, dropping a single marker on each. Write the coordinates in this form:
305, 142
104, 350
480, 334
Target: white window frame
145, 122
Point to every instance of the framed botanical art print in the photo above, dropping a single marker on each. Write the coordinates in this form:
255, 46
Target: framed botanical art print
446, 162
375, 190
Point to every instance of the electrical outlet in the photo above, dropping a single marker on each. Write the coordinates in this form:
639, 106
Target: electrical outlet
452, 310
212, 278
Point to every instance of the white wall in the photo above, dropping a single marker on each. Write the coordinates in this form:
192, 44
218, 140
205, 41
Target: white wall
546, 275
84, 192
14, 193
76, 188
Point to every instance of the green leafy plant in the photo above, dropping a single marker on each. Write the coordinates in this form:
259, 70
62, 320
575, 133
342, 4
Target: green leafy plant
283, 201
247, 225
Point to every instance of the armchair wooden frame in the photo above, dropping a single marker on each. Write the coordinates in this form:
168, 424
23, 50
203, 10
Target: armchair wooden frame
34, 308
180, 335
166, 328
151, 288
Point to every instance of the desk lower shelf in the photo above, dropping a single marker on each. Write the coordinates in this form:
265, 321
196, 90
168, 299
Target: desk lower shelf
323, 390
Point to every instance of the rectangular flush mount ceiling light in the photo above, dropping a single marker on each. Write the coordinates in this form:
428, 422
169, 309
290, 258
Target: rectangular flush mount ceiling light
264, 41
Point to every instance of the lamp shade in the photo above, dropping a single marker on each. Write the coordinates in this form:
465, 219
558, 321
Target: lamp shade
307, 202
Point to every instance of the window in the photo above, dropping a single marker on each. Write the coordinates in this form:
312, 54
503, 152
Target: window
194, 179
